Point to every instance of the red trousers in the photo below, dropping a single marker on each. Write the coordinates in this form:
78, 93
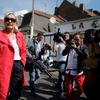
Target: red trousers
73, 95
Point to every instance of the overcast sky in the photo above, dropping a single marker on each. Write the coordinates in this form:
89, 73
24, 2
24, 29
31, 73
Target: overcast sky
42, 5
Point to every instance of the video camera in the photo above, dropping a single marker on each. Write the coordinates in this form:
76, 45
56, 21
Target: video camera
57, 35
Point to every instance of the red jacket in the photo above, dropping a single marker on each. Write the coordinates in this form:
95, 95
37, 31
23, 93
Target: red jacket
6, 60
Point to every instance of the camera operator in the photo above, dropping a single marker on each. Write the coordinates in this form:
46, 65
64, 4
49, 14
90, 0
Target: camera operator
59, 63
76, 52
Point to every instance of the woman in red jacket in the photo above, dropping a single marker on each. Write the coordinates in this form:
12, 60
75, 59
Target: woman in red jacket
12, 59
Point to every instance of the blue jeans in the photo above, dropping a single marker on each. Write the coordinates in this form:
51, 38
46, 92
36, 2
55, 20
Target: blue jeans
60, 83
34, 74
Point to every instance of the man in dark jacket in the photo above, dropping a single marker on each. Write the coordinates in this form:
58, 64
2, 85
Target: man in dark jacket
76, 52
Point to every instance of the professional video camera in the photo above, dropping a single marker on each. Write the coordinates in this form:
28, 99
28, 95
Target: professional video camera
57, 35
92, 35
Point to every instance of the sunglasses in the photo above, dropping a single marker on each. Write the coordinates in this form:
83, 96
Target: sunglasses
10, 19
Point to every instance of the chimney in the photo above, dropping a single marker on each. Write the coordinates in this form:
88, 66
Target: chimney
81, 6
74, 3
56, 11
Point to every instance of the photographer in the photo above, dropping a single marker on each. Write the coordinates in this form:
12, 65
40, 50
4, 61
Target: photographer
76, 52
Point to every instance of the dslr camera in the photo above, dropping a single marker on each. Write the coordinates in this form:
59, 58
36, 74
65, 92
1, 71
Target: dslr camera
71, 42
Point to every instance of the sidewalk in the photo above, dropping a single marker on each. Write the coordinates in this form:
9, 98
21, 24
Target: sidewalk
44, 88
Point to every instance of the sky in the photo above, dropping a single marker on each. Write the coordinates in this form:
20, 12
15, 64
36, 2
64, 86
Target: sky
42, 5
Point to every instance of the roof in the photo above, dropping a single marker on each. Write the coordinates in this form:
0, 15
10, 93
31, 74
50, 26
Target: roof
41, 20
27, 17
1, 22
40, 13
90, 12
70, 11
97, 12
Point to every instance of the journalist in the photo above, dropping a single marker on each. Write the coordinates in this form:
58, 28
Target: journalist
76, 52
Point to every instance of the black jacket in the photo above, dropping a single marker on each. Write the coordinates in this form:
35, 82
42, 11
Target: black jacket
82, 55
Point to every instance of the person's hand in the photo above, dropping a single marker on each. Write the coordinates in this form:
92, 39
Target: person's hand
73, 46
61, 38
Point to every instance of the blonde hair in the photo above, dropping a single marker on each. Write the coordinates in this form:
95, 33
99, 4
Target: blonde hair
12, 13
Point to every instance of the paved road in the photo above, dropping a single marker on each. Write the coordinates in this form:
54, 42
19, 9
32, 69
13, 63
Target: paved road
44, 88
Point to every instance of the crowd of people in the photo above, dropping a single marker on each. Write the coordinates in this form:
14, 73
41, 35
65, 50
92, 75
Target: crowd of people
71, 54
70, 58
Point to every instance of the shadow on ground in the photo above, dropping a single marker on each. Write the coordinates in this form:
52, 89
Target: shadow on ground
45, 89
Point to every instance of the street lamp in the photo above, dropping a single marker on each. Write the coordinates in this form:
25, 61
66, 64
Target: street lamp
32, 20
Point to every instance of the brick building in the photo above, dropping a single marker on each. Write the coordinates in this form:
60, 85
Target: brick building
71, 11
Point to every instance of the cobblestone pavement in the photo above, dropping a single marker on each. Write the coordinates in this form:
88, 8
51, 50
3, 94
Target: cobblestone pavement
44, 88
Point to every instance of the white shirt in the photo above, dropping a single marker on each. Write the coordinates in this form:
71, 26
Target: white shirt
38, 48
45, 55
72, 62
59, 56
16, 49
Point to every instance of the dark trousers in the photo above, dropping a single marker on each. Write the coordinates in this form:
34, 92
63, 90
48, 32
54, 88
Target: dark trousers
15, 81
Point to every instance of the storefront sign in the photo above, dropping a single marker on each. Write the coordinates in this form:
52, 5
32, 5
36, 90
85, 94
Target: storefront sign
79, 25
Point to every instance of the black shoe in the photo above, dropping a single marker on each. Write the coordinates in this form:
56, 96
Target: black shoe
33, 94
